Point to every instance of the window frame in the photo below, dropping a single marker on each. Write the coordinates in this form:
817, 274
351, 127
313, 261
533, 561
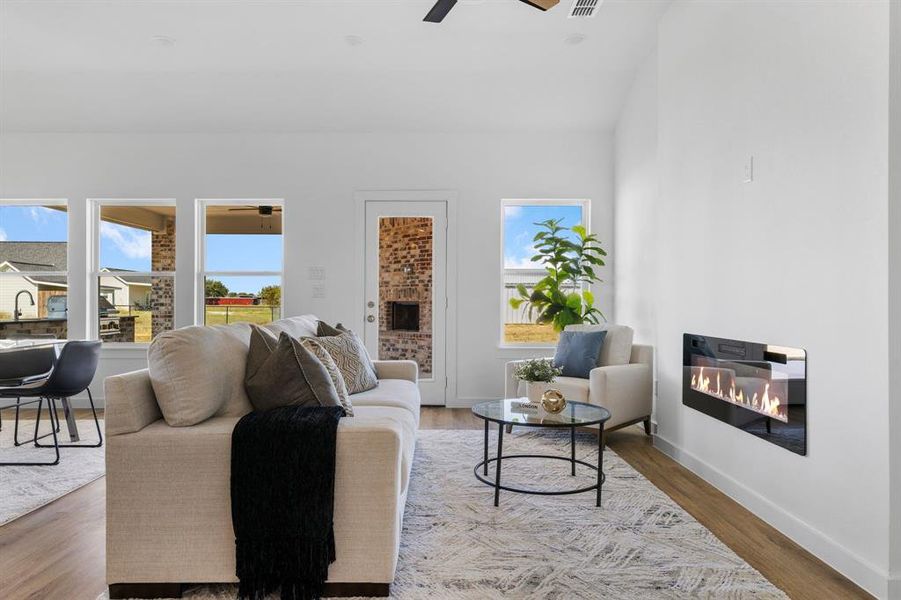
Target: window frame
201, 273
43, 202
584, 204
94, 267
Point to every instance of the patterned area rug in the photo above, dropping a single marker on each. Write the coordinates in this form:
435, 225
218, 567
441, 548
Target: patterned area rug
25, 489
638, 545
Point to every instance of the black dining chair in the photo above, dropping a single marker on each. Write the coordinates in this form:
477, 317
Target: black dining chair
72, 374
27, 367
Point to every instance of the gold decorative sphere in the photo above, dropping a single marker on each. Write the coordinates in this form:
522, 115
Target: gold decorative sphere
553, 401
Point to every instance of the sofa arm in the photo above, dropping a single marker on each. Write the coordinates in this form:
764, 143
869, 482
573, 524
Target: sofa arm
624, 390
397, 369
511, 383
130, 404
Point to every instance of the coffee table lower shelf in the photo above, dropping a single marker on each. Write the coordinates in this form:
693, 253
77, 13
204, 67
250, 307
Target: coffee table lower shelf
509, 488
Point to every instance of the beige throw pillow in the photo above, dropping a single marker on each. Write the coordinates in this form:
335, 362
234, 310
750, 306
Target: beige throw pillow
198, 372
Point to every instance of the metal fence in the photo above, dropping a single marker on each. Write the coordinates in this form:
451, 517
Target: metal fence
223, 314
512, 278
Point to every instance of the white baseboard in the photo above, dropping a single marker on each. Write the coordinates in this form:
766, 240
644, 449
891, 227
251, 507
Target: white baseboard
855, 568
894, 588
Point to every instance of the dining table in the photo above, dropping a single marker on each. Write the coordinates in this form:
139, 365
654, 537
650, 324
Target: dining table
10, 369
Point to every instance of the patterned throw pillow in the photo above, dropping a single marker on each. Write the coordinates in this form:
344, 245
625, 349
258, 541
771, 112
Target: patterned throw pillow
352, 359
313, 345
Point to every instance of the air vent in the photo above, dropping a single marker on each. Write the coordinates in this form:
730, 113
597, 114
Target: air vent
584, 8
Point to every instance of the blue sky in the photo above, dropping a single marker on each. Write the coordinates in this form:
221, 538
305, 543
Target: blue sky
258, 252
32, 224
519, 229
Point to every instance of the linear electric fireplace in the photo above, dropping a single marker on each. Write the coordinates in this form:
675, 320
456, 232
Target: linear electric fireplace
760, 388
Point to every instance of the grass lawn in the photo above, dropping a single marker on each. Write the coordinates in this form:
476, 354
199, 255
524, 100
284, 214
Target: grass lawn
523, 333
215, 315
223, 315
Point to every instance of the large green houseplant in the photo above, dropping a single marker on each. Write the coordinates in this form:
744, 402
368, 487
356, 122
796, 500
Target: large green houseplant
570, 262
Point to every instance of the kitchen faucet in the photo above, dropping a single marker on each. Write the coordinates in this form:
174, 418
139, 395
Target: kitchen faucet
18, 313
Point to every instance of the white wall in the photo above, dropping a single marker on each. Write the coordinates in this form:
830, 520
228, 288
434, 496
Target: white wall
636, 194
317, 175
798, 257
894, 421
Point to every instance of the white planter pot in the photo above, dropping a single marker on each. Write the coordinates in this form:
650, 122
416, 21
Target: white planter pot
535, 389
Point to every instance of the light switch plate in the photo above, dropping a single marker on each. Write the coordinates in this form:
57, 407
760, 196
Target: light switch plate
749, 169
319, 291
316, 273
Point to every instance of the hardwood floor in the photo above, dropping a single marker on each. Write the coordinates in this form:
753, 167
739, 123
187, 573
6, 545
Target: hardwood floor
58, 551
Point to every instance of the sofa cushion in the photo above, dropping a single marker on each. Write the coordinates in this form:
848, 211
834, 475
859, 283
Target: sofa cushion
197, 372
298, 327
398, 393
406, 420
573, 388
617, 348
286, 374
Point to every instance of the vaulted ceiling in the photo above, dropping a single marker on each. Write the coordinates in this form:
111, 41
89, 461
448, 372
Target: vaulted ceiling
316, 65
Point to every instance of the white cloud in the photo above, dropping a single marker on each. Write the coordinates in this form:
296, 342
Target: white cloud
133, 243
512, 212
523, 259
3, 236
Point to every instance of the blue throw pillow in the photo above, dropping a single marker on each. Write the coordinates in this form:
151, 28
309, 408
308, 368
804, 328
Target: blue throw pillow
578, 352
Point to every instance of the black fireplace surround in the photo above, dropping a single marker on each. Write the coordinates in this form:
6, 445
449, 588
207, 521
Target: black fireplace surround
404, 316
760, 388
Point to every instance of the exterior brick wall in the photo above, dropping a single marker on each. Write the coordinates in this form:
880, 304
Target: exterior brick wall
405, 275
58, 328
162, 292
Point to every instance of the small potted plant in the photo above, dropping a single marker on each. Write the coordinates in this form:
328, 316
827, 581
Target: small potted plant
538, 373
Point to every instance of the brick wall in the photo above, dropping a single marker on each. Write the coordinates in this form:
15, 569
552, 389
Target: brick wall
55, 327
405, 274
162, 293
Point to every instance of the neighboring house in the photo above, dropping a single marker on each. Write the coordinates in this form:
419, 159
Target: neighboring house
30, 257
123, 291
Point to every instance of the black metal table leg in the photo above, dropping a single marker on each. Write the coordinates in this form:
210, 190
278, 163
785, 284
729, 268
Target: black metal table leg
600, 461
497, 472
485, 471
572, 444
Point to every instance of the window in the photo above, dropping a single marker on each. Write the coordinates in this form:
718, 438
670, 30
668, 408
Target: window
519, 224
33, 268
241, 261
133, 269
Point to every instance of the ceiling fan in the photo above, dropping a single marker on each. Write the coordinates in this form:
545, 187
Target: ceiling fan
442, 7
262, 210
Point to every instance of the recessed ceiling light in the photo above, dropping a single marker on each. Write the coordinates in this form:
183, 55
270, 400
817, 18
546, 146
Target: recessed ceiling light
162, 41
353, 40
574, 39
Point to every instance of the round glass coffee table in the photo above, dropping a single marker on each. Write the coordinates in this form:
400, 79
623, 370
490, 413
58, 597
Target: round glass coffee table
518, 411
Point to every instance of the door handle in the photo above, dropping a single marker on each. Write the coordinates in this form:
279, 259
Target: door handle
370, 318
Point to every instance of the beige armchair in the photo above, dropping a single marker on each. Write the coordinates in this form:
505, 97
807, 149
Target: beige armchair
622, 382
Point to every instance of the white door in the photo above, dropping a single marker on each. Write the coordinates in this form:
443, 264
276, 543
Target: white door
406, 288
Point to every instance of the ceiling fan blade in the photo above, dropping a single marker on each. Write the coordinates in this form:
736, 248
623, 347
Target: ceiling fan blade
440, 10
542, 4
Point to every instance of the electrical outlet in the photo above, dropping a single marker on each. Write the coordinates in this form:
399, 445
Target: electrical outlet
319, 291
316, 273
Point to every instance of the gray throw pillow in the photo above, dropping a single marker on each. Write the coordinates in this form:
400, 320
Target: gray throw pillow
353, 361
323, 329
285, 373
579, 352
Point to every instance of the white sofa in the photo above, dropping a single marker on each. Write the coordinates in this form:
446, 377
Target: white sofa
168, 504
622, 382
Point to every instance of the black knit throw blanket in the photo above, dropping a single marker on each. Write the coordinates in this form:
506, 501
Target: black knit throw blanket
283, 492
